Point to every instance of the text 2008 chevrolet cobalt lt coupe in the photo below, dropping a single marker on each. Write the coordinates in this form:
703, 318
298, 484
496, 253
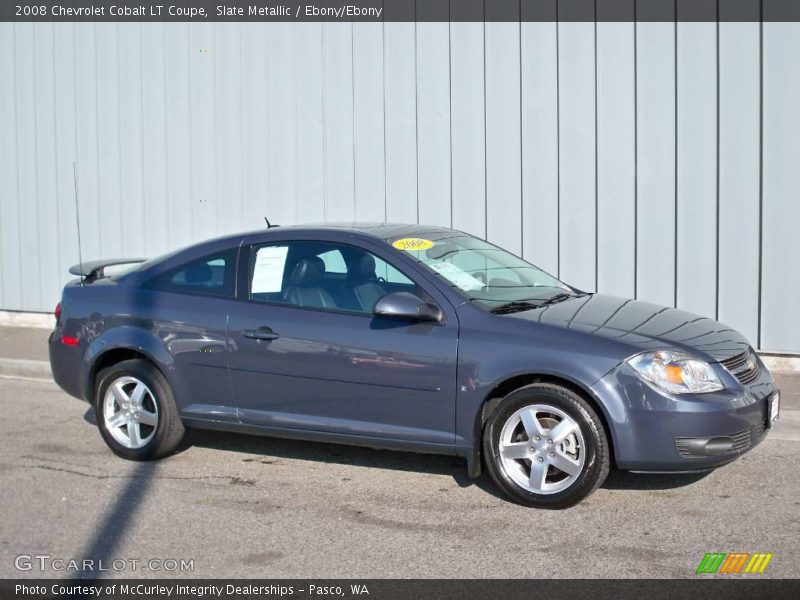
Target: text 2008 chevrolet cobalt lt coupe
412, 338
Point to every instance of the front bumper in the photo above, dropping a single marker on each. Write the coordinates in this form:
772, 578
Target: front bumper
655, 431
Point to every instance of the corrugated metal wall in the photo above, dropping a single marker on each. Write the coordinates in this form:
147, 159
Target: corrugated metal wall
655, 160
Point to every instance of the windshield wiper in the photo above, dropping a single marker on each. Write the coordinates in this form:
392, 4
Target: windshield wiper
515, 306
557, 298
520, 305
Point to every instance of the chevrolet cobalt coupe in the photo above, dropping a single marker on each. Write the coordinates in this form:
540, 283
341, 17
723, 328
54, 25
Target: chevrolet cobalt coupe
410, 338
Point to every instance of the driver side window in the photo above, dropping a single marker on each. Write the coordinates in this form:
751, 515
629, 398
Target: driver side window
323, 275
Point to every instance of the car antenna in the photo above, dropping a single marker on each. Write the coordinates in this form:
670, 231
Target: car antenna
77, 213
270, 225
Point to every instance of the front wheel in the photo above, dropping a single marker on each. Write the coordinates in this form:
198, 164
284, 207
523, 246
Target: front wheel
136, 412
546, 447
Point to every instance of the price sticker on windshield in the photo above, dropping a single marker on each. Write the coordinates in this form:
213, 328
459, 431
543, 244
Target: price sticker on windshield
412, 244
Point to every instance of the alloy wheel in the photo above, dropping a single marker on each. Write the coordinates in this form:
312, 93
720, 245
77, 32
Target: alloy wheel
542, 449
130, 412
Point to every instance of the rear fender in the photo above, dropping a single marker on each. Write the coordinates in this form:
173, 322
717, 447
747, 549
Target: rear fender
126, 338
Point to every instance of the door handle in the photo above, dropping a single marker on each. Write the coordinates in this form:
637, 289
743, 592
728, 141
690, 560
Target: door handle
262, 333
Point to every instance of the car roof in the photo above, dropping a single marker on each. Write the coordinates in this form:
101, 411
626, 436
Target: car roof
378, 231
382, 231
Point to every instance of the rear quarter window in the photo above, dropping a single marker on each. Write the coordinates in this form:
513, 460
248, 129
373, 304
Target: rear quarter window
211, 275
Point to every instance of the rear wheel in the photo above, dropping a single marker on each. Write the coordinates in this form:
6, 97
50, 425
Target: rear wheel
136, 412
546, 447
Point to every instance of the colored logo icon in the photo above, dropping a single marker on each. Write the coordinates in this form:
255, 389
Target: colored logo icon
734, 562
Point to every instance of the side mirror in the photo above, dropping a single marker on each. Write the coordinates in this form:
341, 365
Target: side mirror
405, 306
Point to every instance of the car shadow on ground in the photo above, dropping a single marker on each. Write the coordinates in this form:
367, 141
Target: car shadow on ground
265, 449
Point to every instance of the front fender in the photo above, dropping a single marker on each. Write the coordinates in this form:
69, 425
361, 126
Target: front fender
517, 350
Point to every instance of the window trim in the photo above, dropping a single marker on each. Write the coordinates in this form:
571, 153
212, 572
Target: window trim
246, 262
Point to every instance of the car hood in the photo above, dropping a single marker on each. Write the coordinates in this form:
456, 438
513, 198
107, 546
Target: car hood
642, 325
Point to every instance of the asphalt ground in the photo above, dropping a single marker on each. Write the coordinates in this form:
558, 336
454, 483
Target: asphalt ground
243, 506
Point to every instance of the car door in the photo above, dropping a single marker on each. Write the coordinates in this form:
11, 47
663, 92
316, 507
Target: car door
188, 306
304, 355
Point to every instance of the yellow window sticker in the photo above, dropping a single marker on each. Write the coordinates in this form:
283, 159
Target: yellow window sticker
412, 244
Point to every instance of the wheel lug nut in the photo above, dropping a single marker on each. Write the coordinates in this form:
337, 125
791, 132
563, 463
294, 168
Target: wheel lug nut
549, 441
537, 438
541, 459
552, 455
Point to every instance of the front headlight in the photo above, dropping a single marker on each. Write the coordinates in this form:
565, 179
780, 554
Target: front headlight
676, 372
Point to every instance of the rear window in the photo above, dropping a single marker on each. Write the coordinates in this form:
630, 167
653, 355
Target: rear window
210, 275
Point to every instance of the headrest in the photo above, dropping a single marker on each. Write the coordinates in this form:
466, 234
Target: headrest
198, 273
307, 272
364, 268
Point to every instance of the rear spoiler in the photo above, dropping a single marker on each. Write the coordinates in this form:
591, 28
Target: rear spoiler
95, 269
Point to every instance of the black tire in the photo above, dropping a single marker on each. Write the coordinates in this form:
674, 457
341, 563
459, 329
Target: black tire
597, 460
169, 430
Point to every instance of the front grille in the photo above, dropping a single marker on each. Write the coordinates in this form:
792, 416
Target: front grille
759, 431
741, 441
743, 366
734, 362
682, 444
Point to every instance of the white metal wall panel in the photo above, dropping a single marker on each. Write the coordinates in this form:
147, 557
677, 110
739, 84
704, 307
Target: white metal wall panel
227, 102
282, 142
46, 174
780, 290
503, 136
108, 141
400, 100
131, 133
600, 153
539, 62
27, 179
178, 135
256, 200
310, 120
64, 141
576, 123
655, 156
739, 176
203, 132
10, 255
155, 160
468, 127
368, 119
696, 283
433, 123
86, 146
616, 159
338, 93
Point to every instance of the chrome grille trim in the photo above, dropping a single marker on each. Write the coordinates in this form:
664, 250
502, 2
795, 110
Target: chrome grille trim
738, 366
734, 362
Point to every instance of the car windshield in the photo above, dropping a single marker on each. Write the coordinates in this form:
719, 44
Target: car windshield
482, 273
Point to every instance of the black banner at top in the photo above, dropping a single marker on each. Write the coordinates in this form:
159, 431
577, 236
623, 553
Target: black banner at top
372, 11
